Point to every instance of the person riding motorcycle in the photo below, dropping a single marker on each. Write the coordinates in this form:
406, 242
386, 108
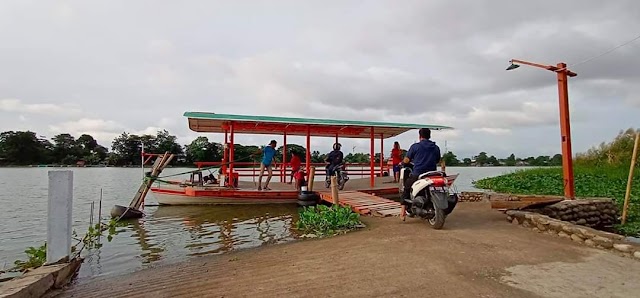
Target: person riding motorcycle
334, 159
425, 156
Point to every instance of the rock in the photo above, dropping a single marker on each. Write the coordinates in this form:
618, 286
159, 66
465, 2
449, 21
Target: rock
526, 223
604, 242
536, 230
509, 218
541, 227
581, 221
543, 221
562, 234
515, 221
576, 238
633, 239
589, 242
623, 247
636, 254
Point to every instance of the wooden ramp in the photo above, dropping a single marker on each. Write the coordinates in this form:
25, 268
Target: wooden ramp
364, 203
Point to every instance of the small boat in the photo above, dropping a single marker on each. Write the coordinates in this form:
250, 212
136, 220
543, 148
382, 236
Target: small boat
237, 191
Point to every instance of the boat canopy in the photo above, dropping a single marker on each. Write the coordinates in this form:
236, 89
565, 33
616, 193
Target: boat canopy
220, 123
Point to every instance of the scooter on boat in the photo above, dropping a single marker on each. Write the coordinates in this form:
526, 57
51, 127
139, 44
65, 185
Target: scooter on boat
430, 197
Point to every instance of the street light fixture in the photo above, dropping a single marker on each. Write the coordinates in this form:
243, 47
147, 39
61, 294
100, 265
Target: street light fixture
565, 128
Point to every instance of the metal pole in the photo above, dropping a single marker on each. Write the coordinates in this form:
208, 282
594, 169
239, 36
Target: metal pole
225, 151
308, 157
565, 133
142, 159
283, 169
381, 154
372, 160
231, 133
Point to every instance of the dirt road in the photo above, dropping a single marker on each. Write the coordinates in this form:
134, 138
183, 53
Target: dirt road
478, 254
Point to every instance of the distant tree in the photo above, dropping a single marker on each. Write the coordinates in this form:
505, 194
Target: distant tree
127, 149
556, 160
482, 158
23, 148
492, 160
165, 142
201, 149
65, 149
511, 160
450, 159
466, 161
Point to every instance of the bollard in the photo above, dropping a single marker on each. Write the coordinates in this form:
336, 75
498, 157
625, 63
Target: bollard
334, 189
59, 215
312, 176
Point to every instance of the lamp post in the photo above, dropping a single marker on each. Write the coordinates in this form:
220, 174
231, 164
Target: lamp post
565, 129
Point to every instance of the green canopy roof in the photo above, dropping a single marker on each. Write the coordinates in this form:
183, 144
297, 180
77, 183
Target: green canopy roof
212, 122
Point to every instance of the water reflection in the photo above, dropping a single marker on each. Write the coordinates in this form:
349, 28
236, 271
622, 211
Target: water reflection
174, 233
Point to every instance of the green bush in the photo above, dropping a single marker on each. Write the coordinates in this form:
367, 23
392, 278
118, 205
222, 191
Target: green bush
37, 257
590, 181
322, 220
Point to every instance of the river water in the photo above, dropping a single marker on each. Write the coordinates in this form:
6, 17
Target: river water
166, 234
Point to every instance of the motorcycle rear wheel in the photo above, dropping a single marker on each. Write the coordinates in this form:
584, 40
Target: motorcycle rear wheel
437, 221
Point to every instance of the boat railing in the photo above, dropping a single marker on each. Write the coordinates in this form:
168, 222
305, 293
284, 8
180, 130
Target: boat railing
252, 169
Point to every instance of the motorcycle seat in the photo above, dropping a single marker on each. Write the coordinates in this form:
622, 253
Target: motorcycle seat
432, 174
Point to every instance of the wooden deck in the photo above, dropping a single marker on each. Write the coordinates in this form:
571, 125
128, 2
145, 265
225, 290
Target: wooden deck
364, 203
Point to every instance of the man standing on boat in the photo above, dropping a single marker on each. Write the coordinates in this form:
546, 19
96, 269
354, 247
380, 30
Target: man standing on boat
425, 156
268, 155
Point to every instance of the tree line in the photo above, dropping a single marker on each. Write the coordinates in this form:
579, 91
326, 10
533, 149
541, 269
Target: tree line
28, 148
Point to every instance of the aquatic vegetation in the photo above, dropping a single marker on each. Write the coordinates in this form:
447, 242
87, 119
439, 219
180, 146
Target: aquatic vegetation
36, 258
590, 181
324, 221
91, 240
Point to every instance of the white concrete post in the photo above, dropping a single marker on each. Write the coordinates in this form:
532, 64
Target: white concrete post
59, 215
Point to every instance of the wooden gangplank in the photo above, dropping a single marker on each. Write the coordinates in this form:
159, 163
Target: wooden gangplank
365, 203
160, 163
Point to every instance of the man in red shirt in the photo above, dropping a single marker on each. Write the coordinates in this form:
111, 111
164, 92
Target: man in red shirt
396, 159
295, 164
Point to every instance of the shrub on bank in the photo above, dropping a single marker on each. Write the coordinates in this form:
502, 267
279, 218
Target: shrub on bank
323, 221
590, 181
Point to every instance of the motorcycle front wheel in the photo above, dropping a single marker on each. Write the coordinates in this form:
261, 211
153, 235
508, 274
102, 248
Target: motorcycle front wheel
437, 221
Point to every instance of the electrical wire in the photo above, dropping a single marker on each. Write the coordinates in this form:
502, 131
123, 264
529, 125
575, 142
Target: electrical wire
601, 54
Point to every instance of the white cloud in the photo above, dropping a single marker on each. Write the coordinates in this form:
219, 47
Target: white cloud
493, 130
16, 105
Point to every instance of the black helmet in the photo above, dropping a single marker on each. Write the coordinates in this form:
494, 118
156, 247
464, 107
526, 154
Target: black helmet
337, 146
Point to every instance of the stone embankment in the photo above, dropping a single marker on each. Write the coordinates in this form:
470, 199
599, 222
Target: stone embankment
595, 213
581, 234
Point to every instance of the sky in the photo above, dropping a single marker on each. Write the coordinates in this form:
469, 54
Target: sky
106, 67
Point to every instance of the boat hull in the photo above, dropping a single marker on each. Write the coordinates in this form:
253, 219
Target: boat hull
224, 197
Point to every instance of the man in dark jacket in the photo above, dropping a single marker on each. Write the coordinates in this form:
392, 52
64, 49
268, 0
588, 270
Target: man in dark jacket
425, 156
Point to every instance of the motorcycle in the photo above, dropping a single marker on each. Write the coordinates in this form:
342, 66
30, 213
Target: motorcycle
430, 197
341, 175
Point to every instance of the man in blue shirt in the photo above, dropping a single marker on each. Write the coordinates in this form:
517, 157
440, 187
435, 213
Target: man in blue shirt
268, 155
425, 156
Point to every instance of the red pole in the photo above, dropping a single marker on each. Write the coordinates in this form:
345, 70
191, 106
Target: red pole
231, 154
308, 161
283, 169
381, 154
224, 151
372, 160
565, 132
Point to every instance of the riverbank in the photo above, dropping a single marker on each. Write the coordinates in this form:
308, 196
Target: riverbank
477, 254
604, 182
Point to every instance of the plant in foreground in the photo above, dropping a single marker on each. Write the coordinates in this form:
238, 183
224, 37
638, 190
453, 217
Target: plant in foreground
323, 221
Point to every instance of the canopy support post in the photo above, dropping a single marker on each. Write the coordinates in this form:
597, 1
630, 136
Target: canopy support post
372, 177
231, 133
283, 169
225, 157
308, 157
381, 154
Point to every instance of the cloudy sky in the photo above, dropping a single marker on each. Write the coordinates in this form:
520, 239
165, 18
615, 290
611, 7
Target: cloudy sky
104, 67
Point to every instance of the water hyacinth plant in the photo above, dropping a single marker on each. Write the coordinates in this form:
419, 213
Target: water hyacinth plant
325, 221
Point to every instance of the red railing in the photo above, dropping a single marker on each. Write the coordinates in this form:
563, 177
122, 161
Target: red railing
252, 169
